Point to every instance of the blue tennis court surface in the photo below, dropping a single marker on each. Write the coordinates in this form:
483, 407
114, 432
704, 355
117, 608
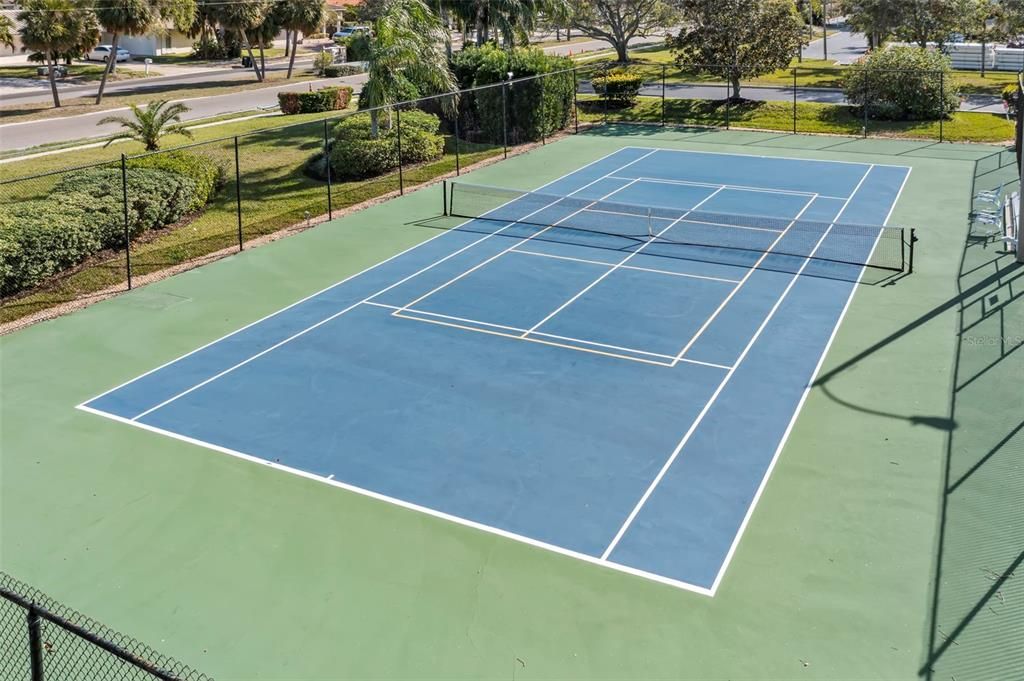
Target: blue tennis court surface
574, 384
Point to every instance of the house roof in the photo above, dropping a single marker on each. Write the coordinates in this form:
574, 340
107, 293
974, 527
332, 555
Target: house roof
344, 3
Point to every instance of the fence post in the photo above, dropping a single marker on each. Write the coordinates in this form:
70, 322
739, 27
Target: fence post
605, 97
795, 113
504, 116
664, 68
728, 104
458, 160
401, 175
942, 104
327, 166
127, 231
867, 95
576, 99
35, 641
238, 195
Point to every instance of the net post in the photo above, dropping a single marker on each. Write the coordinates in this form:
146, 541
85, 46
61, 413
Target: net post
401, 175
913, 240
238, 195
444, 196
35, 642
327, 166
127, 230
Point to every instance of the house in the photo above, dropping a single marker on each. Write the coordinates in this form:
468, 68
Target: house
5, 51
166, 41
339, 12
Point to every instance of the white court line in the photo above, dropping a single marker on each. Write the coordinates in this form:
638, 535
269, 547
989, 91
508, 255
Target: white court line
738, 187
625, 267
799, 407
332, 317
746, 277
619, 264
406, 312
532, 236
725, 381
332, 286
330, 480
766, 156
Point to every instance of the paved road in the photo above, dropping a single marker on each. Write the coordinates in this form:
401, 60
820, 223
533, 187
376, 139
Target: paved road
844, 47
33, 133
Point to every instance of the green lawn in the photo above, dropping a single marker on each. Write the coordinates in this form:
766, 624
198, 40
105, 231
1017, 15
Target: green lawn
275, 194
811, 118
76, 72
810, 73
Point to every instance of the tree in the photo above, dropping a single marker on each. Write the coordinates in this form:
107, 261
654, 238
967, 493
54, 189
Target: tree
619, 21
128, 17
56, 29
148, 125
406, 52
240, 18
737, 39
513, 20
298, 15
925, 21
877, 19
6, 31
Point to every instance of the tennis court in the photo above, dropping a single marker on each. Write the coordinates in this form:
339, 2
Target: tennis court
607, 367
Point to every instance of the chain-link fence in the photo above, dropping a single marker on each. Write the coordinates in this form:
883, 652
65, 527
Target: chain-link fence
42, 640
120, 226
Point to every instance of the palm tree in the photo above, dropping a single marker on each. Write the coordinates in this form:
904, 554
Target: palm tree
55, 29
513, 20
241, 18
150, 124
6, 31
407, 48
299, 15
129, 17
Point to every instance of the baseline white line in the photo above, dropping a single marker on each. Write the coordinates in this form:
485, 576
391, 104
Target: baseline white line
799, 407
396, 308
766, 156
707, 407
532, 236
334, 316
328, 288
330, 480
619, 264
746, 277
625, 267
738, 187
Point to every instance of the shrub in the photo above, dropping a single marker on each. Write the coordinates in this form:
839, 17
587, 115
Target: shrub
619, 87
325, 99
208, 175
536, 107
904, 83
357, 48
355, 154
314, 36
85, 214
1009, 95
321, 61
289, 102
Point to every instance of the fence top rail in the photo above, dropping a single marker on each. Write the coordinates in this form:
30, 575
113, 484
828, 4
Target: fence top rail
114, 162
95, 633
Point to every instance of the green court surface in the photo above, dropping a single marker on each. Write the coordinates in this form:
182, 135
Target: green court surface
883, 546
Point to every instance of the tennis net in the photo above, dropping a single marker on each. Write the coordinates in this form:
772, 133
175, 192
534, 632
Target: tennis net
658, 229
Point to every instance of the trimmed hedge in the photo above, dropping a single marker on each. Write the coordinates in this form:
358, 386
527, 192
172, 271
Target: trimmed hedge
618, 87
536, 108
208, 175
356, 154
332, 98
904, 83
84, 214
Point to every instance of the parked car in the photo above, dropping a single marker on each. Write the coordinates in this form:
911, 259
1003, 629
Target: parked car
350, 31
102, 53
